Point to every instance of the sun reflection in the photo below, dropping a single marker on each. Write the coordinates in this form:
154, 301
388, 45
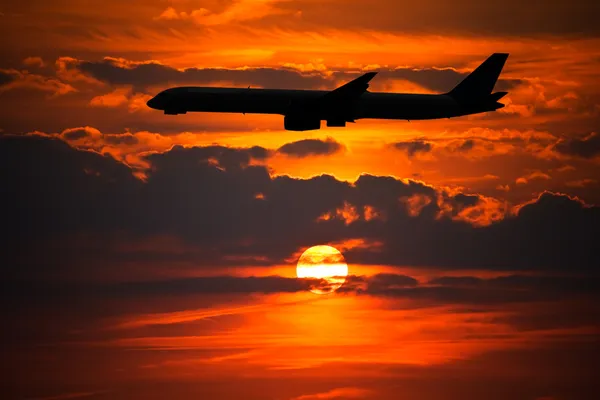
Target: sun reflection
325, 263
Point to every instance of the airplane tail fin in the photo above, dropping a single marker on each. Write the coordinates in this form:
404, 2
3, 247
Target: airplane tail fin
480, 83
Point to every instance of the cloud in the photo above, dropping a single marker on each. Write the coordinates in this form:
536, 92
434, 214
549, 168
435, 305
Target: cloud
311, 147
67, 69
6, 77
74, 395
472, 290
126, 138
238, 11
587, 147
582, 183
207, 197
75, 134
112, 99
465, 146
167, 287
338, 393
37, 62
484, 212
416, 203
122, 96
144, 74
523, 180
437, 80
446, 290
413, 147
15, 79
558, 19
133, 148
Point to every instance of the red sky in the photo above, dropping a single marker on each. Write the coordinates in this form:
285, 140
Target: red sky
152, 256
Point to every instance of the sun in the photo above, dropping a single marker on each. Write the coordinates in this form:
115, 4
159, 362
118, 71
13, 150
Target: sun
325, 263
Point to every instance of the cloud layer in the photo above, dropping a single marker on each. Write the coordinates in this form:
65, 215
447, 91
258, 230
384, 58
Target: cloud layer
220, 199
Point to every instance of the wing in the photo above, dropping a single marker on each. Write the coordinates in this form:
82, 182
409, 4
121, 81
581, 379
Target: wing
350, 90
337, 104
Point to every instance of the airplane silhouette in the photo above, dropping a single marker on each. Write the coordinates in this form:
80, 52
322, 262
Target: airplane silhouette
304, 110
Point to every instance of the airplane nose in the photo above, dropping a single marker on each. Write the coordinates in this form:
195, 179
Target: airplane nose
152, 103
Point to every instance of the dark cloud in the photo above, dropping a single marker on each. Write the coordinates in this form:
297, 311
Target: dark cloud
208, 197
535, 283
440, 80
468, 281
64, 291
413, 147
76, 133
467, 145
225, 158
475, 291
311, 147
152, 74
259, 153
448, 290
126, 138
587, 147
24, 80
45, 182
377, 284
144, 75
6, 78
465, 17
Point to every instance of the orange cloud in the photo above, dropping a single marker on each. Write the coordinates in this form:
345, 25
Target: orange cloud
416, 203
339, 393
184, 316
581, 183
112, 99
487, 211
532, 176
37, 62
346, 213
238, 11
24, 79
66, 69
307, 335
351, 244
120, 96
371, 213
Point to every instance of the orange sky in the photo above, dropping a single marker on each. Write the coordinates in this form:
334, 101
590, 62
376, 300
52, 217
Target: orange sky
138, 269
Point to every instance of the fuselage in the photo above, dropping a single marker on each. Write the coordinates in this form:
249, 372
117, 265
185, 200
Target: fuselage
405, 106
305, 109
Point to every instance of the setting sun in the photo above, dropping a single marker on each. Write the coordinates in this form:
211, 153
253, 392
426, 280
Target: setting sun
325, 263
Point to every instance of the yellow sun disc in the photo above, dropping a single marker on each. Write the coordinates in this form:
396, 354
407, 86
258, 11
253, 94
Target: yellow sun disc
324, 264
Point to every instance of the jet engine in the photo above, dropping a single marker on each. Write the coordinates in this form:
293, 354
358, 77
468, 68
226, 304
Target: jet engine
171, 111
336, 122
301, 123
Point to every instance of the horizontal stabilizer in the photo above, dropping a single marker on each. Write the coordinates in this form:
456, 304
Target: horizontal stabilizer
497, 96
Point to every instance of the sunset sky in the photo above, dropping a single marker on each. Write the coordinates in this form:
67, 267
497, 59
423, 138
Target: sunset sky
152, 256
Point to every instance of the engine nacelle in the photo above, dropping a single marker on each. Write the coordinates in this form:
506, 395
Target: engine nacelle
170, 111
336, 122
301, 123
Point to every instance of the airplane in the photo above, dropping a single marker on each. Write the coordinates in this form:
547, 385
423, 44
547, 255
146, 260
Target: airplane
304, 110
